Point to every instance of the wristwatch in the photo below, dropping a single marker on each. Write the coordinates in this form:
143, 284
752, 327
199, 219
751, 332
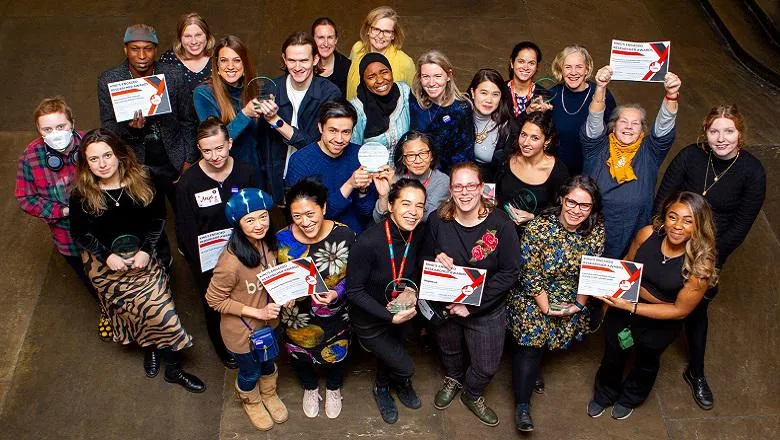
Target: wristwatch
278, 124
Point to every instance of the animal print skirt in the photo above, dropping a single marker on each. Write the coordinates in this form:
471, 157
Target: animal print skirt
139, 304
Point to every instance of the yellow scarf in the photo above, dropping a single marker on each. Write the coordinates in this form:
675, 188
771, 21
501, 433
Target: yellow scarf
620, 157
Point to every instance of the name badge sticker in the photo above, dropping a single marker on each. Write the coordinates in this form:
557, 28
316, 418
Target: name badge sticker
207, 198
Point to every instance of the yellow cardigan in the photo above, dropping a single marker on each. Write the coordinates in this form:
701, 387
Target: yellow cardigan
403, 67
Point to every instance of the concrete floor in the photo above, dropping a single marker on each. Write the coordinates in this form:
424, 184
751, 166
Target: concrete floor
57, 380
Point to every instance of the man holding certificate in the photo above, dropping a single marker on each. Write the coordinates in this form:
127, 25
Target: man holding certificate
468, 231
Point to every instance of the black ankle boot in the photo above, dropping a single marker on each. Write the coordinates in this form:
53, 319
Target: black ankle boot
523, 417
386, 404
190, 382
151, 362
407, 395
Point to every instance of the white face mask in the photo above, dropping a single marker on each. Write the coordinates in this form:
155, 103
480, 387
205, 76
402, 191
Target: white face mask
59, 140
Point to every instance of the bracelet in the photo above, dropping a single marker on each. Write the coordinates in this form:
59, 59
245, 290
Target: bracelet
633, 312
579, 306
669, 98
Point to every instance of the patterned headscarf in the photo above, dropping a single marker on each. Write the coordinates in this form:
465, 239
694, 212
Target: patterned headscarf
245, 201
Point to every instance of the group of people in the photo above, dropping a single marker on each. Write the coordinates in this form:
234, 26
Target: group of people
574, 174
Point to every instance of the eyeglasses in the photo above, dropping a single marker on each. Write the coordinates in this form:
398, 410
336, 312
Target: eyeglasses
469, 187
422, 155
375, 31
218, 149
571, 204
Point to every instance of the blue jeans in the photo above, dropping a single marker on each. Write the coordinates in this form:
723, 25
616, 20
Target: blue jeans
249, 370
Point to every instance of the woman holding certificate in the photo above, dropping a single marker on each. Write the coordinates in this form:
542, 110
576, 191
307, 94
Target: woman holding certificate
117, 219
383, 263
468, 231
733, 181
679, 257
236, 292
317, 327
544, 311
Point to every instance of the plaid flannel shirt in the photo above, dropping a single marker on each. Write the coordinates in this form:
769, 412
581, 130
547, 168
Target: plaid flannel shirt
44, 193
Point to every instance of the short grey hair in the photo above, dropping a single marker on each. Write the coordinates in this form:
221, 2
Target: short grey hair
619, 109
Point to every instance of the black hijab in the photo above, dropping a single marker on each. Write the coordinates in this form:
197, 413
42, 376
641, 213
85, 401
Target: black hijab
377, 108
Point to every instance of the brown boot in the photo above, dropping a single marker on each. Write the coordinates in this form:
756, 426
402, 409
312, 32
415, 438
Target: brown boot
271, 400
253, 405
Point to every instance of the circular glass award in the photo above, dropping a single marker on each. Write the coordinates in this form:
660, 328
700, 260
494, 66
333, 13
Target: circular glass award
126, 246
373, 156
265, 85
401, 294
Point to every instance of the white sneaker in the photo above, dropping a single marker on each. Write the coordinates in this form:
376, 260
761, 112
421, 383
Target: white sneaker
311, 403
333, 403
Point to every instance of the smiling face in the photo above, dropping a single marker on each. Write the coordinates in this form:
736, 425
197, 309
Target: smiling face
102, 161
679, 223
335, 135
300, 62
575, 208
466, 190
417, 157
524, 65
407, 209
140, 56
531, 140
723, 138
381, 34
326, 39
215, 150
193, 40
628, 126
255, 224
487, 96
231, 68
308, 217
434, 80
378, 78
575, 70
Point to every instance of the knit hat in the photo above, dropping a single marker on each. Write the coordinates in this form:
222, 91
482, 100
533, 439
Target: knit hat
141, 32
245, 201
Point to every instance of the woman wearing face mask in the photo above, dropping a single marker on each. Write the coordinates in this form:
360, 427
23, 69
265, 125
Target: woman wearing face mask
624, 158
45, 176
333, 65
245, 305
382, 104
441, 110
381, 33
494, 126
544, 311
733, 181
414, 159
526, 95
678, 254
117, 220
317, 330
529, 179
573, 69
191, 50
383, 257
226, 97
467, 231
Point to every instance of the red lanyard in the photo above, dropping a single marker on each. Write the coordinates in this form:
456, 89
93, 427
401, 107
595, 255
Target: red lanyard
514, 96
425, 182
396, 275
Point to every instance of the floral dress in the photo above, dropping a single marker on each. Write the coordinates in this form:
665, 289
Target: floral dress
551, 263
314, 332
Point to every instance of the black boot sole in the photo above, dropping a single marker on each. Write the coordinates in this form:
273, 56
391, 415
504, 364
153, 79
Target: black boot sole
693, 394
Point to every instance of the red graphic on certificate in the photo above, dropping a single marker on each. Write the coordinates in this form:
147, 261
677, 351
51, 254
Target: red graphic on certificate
639, 61
292, 280
601, 276
461, 285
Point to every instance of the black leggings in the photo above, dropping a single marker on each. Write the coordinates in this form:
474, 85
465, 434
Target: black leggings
307, 374
526, 365
393, 362
696, 325
202, 280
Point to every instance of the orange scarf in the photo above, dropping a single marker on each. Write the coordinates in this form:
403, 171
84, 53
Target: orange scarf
620, 157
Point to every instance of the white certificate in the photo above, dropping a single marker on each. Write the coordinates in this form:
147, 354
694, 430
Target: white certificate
210, 247
148, 94
601, 276
645, 61
292, 280
462, 285
373, 155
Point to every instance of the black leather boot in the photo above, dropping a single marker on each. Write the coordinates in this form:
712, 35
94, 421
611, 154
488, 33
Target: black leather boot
151, 362
190, 382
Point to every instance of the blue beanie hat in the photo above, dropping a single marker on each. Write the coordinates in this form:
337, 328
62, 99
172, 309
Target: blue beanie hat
245, 201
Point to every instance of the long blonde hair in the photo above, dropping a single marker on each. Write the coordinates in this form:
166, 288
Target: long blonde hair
375, 15
186, 20
447, 209
132, 176
451, 91
226, 110
700, 253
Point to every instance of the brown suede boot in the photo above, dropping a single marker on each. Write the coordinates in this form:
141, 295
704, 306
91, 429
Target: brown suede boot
253, 405
271, 400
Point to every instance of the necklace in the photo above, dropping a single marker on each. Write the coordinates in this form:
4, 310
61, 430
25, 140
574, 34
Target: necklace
517, 100
715, 175
563, 102
483, 133
116, 200
664, 258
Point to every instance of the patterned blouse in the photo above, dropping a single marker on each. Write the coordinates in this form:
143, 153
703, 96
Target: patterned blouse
313, 332
551, 261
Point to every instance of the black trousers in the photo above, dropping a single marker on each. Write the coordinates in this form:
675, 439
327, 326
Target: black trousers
393, 362
696, 325
471, 348
526, 365
651, 338
307, 374
202, 280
